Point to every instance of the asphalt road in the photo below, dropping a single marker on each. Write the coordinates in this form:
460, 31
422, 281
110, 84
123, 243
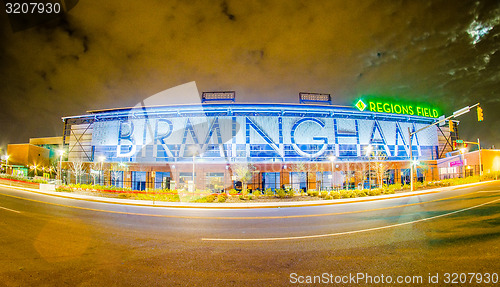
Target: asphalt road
52, 241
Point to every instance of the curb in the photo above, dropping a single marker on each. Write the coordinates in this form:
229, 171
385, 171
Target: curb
149, 203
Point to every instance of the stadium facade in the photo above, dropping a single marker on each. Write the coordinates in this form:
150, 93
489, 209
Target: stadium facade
300, 146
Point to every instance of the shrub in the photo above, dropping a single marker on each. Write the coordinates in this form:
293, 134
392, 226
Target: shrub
269, 192
328, 197
348, 194
257, 193
336, 194
210, 198
312, 192
378, 191
290, 192
361, 193
221, 198
64, 188
233, 191
323, 194
280, 193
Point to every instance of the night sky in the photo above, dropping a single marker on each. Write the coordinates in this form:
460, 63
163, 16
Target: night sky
107, 54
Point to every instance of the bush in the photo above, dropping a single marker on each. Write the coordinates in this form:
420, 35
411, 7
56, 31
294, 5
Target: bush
361, 193
280, 193
347, 193
312, 192
64, 188
376, 191
21, 178
269, 192
323, 194
290, 192
210, 198
336, 194
221, 198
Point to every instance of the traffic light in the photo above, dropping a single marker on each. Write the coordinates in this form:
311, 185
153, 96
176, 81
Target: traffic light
452, 128
479, 114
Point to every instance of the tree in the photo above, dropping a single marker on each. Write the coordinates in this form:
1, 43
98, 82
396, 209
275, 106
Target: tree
380, 165
243, 173
77, 168
97, 170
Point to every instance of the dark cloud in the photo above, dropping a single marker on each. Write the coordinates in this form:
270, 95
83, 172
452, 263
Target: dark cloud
106, 54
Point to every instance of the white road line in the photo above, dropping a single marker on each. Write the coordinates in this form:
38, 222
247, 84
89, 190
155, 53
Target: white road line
347, 232
489, 191
10, 209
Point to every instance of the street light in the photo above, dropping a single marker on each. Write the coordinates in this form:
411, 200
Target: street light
369, 150
101, 160
480, 163
34, 167
6, 158
193, 150
332, 159
462, 152
60, 152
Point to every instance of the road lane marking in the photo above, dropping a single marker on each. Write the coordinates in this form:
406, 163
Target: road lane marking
237, 217
10, 209
489, 191
348, 232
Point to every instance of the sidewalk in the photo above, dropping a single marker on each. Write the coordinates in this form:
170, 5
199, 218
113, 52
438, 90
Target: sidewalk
239, 205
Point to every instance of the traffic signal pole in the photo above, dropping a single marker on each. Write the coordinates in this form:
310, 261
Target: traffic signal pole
410, 136
480, 164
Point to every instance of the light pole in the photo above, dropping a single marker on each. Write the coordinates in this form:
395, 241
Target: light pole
348, 175
60, 152
480, 164
332, 159
193, 150
369, 150
225, 178
101, 160
6, 158
462, 152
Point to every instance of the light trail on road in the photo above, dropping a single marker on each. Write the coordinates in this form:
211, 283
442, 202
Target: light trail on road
240, 217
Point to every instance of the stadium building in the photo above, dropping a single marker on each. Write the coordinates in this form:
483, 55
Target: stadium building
219, 143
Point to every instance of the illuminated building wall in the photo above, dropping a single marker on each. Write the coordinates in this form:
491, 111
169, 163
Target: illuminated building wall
221, 133
289, 144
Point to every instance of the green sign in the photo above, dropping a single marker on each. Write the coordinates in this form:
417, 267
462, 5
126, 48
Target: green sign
384, 106
460, 141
